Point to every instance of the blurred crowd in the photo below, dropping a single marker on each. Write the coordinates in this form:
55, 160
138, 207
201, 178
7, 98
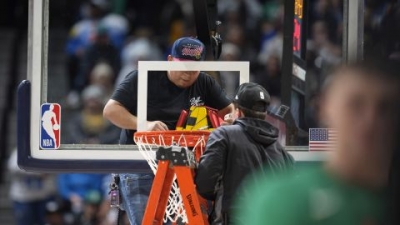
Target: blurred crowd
62, 199
107, 40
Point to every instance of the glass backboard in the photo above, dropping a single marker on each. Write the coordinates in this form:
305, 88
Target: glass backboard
33, 93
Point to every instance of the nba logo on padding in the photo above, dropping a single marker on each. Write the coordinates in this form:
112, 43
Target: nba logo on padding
50, 126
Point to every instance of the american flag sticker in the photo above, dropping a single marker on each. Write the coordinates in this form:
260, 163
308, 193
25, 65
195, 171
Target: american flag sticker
322, 139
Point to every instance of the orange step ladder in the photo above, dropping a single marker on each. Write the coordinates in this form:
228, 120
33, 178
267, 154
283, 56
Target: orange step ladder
179, 161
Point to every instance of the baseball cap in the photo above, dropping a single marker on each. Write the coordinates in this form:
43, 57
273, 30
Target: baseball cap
188, 48
252, 96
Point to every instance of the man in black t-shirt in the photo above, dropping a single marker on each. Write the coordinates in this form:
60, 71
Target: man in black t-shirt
169, 92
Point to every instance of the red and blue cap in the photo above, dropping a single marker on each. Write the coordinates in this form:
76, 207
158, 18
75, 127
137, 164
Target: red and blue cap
187, 48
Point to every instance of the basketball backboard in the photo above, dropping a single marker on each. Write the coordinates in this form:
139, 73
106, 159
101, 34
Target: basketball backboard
33, 93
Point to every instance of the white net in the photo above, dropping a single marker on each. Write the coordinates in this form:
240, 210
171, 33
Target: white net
148, 144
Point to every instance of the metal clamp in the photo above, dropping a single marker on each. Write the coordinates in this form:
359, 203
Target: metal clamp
177, 155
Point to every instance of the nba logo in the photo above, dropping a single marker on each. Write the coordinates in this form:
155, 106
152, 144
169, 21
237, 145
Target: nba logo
50, 126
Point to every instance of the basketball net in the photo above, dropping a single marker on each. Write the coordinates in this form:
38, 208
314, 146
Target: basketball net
149, 142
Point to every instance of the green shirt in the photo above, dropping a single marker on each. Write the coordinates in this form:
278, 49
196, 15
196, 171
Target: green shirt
311, 197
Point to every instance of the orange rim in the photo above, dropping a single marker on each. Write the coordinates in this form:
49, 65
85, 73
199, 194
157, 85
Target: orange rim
182, 137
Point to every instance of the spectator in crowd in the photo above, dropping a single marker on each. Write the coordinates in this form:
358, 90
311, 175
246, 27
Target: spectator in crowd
103, 76
235, 34
55, 210
337, 8
360, 102
30, 192
89, 126
270, 9
96, 13
270, 76
100, 51
247, 12
82, 192
330, 12
146, 13
328, 53
172, 20
229, 79
98, 27
271, 38
388, 42
138, 49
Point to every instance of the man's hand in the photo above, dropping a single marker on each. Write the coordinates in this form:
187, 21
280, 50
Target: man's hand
228, 114
156, 126
228, 119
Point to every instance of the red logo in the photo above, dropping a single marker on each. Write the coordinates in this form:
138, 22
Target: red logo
193, 51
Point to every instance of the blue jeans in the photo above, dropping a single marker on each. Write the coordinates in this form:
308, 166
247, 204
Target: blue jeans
30, 213
135, 190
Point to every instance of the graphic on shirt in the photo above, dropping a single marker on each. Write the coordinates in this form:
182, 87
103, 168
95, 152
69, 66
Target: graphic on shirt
196, 101
50, 126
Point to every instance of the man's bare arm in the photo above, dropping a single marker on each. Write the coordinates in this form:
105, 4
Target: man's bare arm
119, 115
122, 118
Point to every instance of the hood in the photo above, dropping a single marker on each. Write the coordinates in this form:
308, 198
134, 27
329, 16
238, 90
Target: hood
259, 130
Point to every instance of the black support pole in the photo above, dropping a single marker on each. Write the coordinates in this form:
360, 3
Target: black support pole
287, 67
287, 58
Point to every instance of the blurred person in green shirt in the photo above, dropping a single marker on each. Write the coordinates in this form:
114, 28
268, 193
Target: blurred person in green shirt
360, 101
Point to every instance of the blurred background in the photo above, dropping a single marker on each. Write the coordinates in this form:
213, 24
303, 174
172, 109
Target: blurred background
93, 44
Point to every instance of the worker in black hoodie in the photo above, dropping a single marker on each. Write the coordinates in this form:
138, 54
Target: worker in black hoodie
235, 151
